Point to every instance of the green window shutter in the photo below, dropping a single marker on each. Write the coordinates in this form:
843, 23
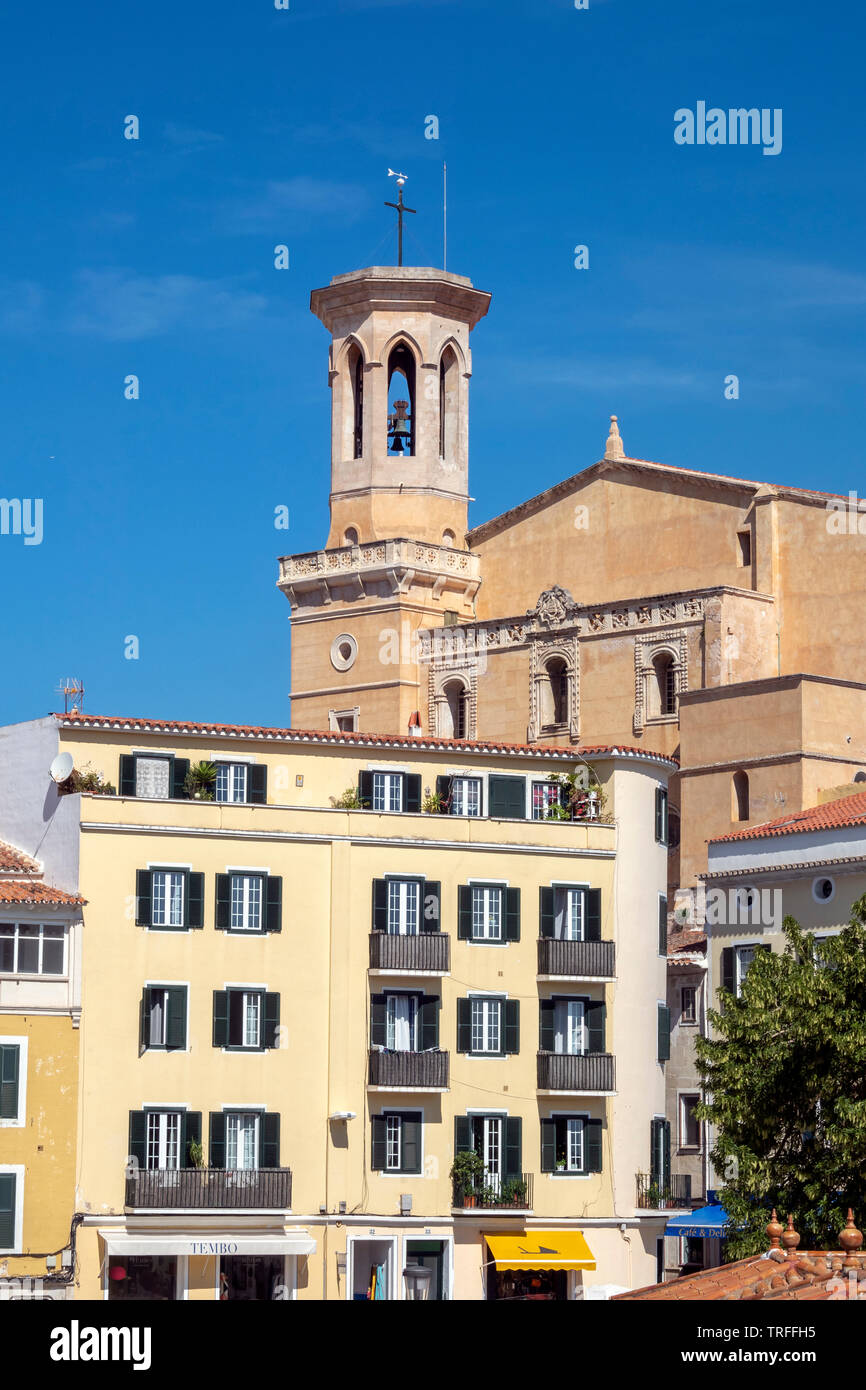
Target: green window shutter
126, 778
269, 1145
380, 904
271, 1025
663, 926
175, 1025
273, 886
411, 1137
7, 1210
464, 913
377, 1125
257, 784
545, 1025
506, 798
190, 1133
443, 791
429, 1022
512, 1026
655, 1127
195, 900
513, 1147
137, 1139
512, 914
223, 901
592, 1146
548, 1146
764, 946
144, 1021
462, 1134
179, 769
9, 1078
545, 912
220, 1018
666, 1141
431, 896
216, 1147
594, 1016
728, 968
592, 908
365, 788
464, 1025
664, 1033
412, 791
378, 1026
143, 894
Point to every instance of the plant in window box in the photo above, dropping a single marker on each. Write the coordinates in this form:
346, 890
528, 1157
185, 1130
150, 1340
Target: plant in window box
195, 1153
433, 803
349, 801
88, 779
467, 1170
560, 1165
583, 797
514, 1192
200, 781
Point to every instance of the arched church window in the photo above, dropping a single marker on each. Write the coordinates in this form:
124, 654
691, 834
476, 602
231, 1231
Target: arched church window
401, 400
447, 403
663, 686
554, 694
455, 712
740, 796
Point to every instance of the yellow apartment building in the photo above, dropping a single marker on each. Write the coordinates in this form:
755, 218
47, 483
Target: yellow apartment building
300, 1018
40, 1013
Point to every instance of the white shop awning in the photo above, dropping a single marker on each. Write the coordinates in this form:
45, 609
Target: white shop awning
197, 1243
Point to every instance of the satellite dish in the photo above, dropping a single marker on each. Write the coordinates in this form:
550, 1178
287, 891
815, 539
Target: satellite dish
61, 767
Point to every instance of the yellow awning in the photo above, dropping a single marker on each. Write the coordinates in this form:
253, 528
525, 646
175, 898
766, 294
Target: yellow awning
541, 1250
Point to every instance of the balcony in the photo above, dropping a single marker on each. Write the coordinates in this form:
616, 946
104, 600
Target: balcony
427, 953
209, 1188
590, 1073
578, 960
409, 1071
674, 1192
503, 1194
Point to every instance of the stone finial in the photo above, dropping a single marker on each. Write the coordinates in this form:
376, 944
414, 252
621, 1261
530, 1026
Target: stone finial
850, 1239
613, 449
774, 1230
790, 1238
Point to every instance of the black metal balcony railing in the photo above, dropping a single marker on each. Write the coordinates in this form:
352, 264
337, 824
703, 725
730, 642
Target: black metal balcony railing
655, 1195
416, 1069
563, 1071
210, 1187
429, 950
585, 958
499, 1194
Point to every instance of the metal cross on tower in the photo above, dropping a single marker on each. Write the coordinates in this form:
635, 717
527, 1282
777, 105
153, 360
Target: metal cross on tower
400, 208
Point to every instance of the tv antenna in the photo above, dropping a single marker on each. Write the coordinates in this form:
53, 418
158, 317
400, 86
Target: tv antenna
71, 688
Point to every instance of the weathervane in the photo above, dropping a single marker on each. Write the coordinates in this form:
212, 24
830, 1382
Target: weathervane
401, 208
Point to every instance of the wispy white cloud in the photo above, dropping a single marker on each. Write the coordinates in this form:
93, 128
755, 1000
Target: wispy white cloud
303, 196
120, 305
189, 137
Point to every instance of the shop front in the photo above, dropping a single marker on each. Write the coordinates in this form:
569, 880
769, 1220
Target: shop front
227, 1265
540, 1266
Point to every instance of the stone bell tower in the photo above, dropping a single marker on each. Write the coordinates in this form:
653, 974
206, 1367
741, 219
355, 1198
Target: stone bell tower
395, 559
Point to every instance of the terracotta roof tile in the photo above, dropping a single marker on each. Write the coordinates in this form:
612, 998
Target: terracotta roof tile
833, 815
24, 891
805, 1277
686, 940
426, 743
15, 861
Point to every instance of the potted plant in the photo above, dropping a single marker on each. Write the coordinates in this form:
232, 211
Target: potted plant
432, 804
350, 800
467, 1170
195, 1153
200, 781
514, 1192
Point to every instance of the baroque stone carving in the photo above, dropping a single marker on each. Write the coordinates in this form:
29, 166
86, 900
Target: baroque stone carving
646, 648
554, 608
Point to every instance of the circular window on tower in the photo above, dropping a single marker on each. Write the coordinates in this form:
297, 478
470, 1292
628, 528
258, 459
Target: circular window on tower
344, 649
823, 890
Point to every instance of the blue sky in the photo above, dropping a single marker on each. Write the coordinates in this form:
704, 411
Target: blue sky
259, 127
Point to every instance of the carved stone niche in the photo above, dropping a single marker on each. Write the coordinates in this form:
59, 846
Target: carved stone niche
647, 649
554, 666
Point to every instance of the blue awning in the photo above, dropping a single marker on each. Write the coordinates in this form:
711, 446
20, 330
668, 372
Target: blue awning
706, 1221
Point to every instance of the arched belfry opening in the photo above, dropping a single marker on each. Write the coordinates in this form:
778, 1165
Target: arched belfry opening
401, 400
448, 403
356, 374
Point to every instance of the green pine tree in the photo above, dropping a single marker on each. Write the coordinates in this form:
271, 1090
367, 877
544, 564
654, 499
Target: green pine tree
785, 1080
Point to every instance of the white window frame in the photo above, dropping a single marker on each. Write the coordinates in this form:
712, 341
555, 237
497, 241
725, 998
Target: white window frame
246, 876
335, 715
485, 936
404, 883
168, 871
391, 1262
565, 1002
233, 768
463, 778
18, 1171
391, 780
487, 999
170, 984
682, 1140
60, 929
684, 1021
579, 888
239, 1112
414, 1018
163, 1115
739, 976
542, 782
22, 1042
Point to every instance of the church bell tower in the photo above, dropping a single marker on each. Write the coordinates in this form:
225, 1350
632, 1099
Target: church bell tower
395, 558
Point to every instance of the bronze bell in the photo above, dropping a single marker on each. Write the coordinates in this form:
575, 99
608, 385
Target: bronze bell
398, 427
